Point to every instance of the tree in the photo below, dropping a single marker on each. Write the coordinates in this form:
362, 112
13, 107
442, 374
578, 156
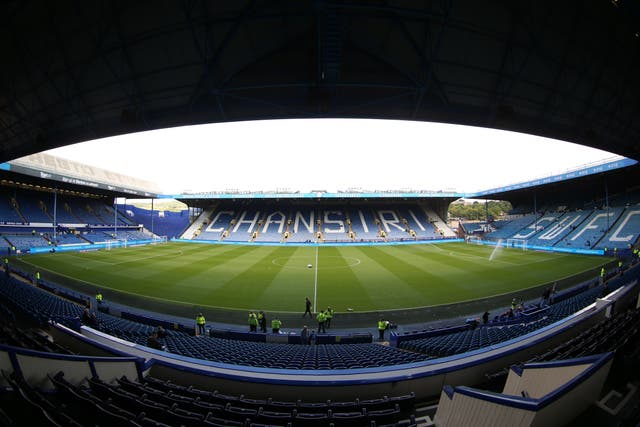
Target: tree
476, 210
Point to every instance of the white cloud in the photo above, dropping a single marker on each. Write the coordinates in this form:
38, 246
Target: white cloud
331, 154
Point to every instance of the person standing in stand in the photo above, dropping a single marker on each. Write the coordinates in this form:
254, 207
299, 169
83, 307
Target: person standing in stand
253, 322
99, 298
200, 322
276, 324
304, 335
262, 321
307, 309
321, 322
328, 314
485, 318
382, 326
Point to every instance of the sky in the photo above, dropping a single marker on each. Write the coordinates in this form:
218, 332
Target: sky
331, 154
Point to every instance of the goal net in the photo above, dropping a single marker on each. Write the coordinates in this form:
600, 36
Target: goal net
120, 243
158, 239
474, 240
517, 243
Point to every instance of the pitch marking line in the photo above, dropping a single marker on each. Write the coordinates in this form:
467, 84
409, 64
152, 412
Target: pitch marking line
84, 259
281, 262
472, 256
143, 258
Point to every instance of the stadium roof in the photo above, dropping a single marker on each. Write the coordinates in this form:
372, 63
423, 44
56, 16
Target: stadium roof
46, 167
74, 71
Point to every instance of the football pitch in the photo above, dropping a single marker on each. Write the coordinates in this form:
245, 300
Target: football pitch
278, 278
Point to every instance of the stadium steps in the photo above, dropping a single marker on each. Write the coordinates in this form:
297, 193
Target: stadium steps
438, 223
90, 211
571, 230
43, 207
72, 213
196, 225
378, 224
16, 207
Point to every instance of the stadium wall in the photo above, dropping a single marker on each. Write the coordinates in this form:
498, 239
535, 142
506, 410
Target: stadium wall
545, 248
568, 388
92, 247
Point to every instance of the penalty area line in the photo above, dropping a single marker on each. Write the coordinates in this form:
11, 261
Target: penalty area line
143, 258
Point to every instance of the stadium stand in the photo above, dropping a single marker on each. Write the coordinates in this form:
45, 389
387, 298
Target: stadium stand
354, 222
25, 241
625, 231
364, 225
391, 224
440, 343
562, 226
615, 227
334, 226
539, 226
44, 306
33, 206
271, 227
441, 227
28, 222
593, 228
8, 208
509, 228
619, 333
244, 226
419, 223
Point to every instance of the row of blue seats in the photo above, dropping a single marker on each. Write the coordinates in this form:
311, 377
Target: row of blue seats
614, 334
130, 402
483, 336
44, 306
290, 356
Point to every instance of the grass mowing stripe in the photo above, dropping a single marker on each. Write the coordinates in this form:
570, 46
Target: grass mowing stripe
203, 268
245, 290
199, 278
477, 256
276, 278
487, 274
442, 264
293, 281
340, 287
409, 273
395, 285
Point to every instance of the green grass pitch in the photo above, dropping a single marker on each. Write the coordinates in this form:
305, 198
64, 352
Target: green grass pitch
277, 278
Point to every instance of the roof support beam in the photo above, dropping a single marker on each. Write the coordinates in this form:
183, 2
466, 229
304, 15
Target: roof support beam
138, 96
431, 54
548, 109
206, 83
85, 114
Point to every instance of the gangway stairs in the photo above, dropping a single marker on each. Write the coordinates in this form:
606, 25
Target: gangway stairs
196, 226
438, 223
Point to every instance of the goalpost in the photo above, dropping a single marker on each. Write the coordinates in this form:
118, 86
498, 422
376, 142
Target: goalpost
158, 239
517, 243
124, 243
118, 243
475, 240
